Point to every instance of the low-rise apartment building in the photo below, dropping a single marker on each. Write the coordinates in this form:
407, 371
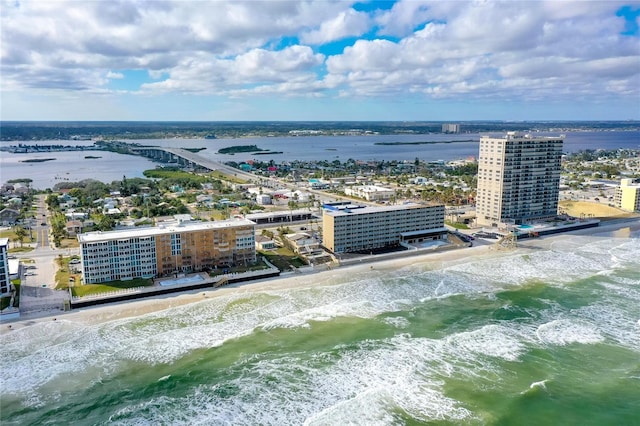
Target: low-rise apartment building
370, 192
164, 250
354, 228
627, 195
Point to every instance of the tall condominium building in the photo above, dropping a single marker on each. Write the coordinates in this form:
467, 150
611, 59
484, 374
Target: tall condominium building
518, 178
627, 195
165, 250
354, 228
450, 128
5, 281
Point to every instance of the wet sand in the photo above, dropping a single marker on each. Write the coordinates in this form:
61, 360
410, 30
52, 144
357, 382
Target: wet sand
435, 260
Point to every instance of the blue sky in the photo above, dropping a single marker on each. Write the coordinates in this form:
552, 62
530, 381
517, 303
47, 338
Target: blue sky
319, 60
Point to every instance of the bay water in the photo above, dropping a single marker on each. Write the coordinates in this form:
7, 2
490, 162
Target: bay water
544, 335
72, 166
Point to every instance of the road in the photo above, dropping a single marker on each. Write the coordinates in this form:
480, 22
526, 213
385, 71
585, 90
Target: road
230, 171
37, 292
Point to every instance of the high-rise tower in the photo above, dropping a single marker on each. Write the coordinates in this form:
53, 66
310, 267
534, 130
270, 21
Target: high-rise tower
518, 178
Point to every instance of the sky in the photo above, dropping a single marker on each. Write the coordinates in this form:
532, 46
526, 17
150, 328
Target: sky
319, 60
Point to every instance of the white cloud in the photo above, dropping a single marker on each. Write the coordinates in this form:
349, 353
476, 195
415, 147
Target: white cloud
345, 24
115, 75
435, 49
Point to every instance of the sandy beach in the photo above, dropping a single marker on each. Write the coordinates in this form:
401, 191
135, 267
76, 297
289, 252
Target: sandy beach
437, 260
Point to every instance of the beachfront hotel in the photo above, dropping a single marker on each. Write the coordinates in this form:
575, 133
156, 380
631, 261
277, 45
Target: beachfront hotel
5, 281
172, 248
518, 179
627, 195
355, 228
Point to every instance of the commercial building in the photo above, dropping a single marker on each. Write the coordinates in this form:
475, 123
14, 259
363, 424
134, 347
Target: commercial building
518, 179
354, 228
627, 195
370, 192
173, 248
5, 281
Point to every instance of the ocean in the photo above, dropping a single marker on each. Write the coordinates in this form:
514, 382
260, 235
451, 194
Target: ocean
535, 336
72, 166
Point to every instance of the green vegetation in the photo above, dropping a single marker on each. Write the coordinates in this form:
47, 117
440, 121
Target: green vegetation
283, 258
174, 176
258, 266
194, 150
20, 249
456, 225
17, 234
216, 174
240, 148
90, 289
4, 301
21, 180
66, 275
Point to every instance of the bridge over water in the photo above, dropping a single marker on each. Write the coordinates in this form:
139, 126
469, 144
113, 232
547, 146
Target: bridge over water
185, 158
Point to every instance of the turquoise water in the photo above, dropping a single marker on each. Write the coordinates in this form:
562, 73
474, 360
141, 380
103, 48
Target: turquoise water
539, 336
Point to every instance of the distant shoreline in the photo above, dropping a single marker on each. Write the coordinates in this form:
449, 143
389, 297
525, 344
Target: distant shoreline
426, 142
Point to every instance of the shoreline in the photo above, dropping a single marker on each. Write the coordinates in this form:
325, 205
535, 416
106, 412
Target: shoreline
437, 260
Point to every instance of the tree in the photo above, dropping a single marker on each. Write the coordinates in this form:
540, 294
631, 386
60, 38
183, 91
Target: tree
21, 233
52, 201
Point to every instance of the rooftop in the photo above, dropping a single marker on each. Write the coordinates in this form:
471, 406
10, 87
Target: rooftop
352, 209
92, 237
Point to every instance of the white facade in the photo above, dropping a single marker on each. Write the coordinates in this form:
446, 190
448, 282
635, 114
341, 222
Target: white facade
263, 199
370, 192
450, 128
5, 281
355, 228
518, 178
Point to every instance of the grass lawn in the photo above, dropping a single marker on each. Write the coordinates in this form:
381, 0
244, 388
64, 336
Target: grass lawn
456, 224
283, 258
592, 209
8, 233
87, 289
64, 274
24, 249
69, 243
216, 174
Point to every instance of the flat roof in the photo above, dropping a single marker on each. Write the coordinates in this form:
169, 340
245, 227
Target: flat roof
172, 228
278, 213
358, 209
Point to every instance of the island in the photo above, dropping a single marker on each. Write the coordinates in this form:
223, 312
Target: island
194, 150
37, 160
240, 148
91, 157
